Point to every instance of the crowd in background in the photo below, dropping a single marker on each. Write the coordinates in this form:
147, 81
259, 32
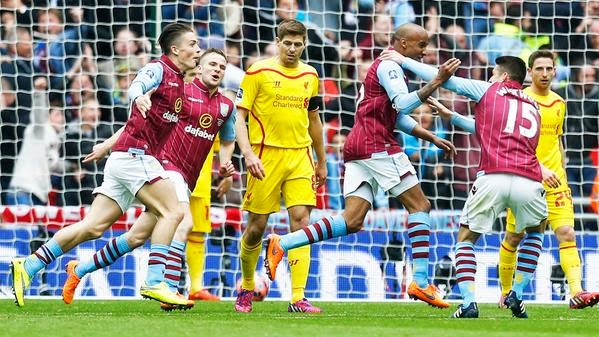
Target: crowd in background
66, 66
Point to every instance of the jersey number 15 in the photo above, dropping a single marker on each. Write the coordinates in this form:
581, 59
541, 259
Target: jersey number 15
528, 113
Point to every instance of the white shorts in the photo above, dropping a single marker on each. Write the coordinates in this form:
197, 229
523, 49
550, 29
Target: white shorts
181, 187
125, 174
394, 174
491, 194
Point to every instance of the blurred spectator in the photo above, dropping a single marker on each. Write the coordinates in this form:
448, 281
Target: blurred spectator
129, 54
39, 157
82, 134
80, 88
335, 170
49, 27
17, 67
340, 112
320, 51
379, 38
11, 133
581, 127
203, 14
505, 39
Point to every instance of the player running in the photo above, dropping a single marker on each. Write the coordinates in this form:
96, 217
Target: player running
208, 113
507, 126
132, 171
373, 158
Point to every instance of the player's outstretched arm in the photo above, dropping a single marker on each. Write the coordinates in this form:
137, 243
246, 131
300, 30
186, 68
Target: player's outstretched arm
465, 123
473, 89
252, 162
315, 131
391, 77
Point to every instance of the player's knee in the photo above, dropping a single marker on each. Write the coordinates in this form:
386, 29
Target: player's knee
565, 234
253, 234
513, 239
135, 240
423, 206
94, 233
354, 225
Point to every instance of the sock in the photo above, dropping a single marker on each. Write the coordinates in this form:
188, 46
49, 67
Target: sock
570, 261
327, 228
174, 261
507, 264
299, 265
249, 258
419, 225
42, 257
195, 255
114, 249
528, 255
465, 264
156, 264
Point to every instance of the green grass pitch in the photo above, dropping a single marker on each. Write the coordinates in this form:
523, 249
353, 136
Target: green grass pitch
143, 318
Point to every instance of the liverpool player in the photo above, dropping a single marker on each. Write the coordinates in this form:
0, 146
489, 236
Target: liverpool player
208, 112
373, 158
132, 171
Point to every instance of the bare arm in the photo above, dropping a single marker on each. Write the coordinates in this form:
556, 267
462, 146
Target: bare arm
315, 130
252, 162
226, 167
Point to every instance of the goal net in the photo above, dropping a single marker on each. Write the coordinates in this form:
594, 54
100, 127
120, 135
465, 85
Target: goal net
66, 66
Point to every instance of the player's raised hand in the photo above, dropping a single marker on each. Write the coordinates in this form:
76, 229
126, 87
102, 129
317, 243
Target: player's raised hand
254, 165
144, 102
321, 174
447, 69
392, 55
99, 151
227, 169
445, 145
550, 178
439, 108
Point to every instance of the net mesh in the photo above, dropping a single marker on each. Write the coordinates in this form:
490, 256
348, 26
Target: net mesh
66, 66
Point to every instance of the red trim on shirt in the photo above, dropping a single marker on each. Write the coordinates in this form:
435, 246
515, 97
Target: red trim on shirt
282, 74
263, 134
551, 104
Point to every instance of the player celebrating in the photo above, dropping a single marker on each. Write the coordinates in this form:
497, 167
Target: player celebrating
207, 112
507, 126
280, 96
373, 158
132, 171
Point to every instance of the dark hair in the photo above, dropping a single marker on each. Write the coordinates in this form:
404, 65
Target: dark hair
213, 51
291, 27
170, 34
537, 54
514, 66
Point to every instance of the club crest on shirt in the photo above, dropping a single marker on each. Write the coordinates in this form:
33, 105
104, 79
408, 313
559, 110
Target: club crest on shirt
178, 105
205, 120
224, 109
306, 85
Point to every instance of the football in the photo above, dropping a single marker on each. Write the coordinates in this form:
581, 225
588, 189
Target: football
261, 286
